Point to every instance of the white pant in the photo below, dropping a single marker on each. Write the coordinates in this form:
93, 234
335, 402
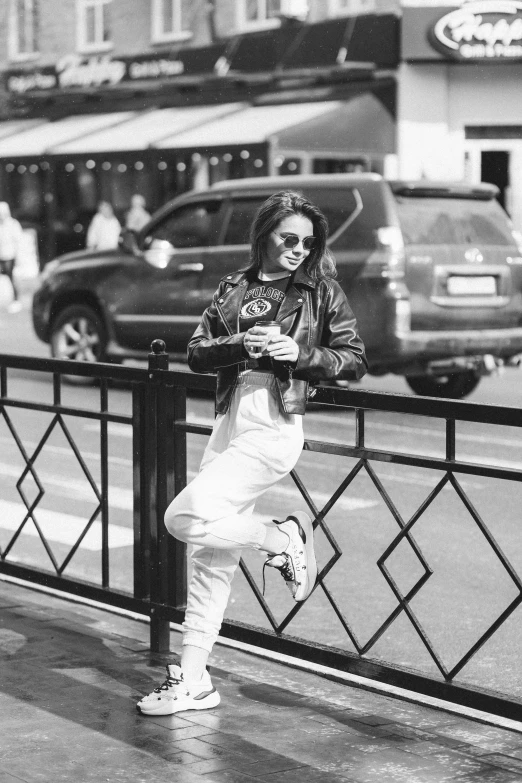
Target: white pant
251, 447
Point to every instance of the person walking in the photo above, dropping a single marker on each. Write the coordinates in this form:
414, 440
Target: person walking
11, 237
288, 292
137, 216
104, 231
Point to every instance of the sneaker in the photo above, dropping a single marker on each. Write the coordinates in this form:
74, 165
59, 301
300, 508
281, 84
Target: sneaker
176, 695
297, 563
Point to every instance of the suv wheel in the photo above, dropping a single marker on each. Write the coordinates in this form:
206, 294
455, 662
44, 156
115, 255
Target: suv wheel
455, 386
78, 333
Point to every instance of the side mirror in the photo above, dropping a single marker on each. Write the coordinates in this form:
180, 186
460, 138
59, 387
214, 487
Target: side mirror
128, 242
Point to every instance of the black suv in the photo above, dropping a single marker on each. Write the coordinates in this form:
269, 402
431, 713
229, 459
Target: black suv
433, 272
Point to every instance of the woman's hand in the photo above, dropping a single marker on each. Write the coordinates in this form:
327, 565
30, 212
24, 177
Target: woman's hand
283, 348
254, 341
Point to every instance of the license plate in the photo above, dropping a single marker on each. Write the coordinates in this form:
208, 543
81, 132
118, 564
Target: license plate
472, 285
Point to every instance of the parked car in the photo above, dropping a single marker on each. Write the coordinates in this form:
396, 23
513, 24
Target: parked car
432, 270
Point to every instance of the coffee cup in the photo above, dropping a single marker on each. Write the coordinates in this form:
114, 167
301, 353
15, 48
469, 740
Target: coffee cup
271, 329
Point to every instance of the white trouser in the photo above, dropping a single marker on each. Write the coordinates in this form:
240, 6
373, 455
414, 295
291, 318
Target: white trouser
251, 447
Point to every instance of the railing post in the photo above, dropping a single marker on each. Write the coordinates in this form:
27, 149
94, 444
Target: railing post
156, 435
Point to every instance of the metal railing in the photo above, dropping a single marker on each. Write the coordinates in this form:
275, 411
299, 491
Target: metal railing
160, 427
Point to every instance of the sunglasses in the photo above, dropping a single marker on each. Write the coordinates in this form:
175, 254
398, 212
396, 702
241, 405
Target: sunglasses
291, 240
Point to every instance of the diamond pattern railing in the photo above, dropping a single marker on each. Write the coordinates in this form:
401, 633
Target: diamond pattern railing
159, 431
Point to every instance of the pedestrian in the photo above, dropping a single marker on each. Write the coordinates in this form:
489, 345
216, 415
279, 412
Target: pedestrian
258, 432
104, 230
11, 237
137, 216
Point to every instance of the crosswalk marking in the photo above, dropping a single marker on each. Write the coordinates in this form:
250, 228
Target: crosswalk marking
62, 528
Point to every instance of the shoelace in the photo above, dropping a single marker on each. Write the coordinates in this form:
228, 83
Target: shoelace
285, 568
169, 682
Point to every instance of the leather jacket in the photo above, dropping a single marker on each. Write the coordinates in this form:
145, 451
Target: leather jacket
315, 313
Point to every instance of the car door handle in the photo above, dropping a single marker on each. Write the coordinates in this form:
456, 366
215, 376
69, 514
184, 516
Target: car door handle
190, 267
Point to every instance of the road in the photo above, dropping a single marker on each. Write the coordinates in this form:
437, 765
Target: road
467, 590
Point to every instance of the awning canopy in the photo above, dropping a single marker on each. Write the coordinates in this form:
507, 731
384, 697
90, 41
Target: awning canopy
360, 124
45, 137
144, 130
253, 125
13, 127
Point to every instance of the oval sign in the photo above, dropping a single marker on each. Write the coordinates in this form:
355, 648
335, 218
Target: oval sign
481, 30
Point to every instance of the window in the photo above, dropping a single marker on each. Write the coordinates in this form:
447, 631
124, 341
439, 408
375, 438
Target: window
439, 221
170, 20
193, 225
94, 25
259, 13
23, 29
243, 213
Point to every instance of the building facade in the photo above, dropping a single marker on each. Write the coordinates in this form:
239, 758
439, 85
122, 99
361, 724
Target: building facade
106, 98
459, 114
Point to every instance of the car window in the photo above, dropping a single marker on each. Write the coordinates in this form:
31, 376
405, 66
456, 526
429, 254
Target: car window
241, 217
339, 204
193, 225
443, 221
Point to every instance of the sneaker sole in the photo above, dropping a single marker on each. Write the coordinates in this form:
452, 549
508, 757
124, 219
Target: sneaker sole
171, 706
304, 590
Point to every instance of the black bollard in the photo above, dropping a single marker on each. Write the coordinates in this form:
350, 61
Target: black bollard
158, 358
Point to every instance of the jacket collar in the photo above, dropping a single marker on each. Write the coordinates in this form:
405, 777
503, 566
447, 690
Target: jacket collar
301, 277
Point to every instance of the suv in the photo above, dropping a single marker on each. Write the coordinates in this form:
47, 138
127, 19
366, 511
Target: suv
433, 272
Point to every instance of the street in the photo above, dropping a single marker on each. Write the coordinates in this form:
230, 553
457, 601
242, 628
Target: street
467, 591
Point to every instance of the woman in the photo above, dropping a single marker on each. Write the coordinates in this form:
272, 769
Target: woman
258, 433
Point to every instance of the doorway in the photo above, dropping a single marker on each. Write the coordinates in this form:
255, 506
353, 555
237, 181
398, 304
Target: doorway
494, 166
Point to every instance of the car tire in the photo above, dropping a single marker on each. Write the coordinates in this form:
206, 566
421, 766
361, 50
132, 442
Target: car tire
454, 386
78, 333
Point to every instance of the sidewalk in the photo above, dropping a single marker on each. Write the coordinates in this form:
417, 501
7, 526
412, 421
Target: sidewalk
70, 675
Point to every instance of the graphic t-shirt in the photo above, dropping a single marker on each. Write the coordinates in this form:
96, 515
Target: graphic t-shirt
262, 301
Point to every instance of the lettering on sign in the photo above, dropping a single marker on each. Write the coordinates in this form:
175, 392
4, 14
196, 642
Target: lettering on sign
481, 30
74, 71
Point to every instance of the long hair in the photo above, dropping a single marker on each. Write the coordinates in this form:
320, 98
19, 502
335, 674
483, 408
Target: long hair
319, 264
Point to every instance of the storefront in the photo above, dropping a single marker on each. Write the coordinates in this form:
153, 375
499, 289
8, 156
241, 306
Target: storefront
228, 118
459, 112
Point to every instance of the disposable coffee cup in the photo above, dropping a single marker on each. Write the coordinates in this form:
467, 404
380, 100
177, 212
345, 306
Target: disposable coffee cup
271, 328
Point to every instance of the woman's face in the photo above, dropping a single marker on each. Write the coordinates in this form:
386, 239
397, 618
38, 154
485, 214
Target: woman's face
278, 257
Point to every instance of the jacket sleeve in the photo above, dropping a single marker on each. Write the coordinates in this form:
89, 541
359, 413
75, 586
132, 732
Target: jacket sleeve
340, 353
206, 351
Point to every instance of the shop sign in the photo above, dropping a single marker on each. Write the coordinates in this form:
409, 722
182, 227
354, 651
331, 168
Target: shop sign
480, 30
76, 71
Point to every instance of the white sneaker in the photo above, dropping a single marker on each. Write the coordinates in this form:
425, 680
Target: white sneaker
176, 695
297, 563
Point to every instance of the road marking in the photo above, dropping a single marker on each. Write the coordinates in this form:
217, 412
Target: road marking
113, 428
62, 528
70, 488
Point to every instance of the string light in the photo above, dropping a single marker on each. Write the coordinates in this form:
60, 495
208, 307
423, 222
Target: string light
22, 169
258, 163
245, 154
139, 165
227, 157
196, 157
292, 166
10, 167
278, 162
106, 166
69, 167
162, 165
213, 160
90, 164
181, 166
33, 168
122, 168
44, 165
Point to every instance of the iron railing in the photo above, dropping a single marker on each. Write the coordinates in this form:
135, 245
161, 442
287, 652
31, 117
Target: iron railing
160, 427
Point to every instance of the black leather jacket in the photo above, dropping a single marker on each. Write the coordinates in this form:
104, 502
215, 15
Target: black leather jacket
315, 313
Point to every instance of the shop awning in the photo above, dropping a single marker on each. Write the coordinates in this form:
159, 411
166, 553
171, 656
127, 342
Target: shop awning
45, 137
145, 130
253, 125
359, 124
13, 127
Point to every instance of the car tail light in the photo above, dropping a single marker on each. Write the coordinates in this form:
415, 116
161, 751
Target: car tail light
389, 258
